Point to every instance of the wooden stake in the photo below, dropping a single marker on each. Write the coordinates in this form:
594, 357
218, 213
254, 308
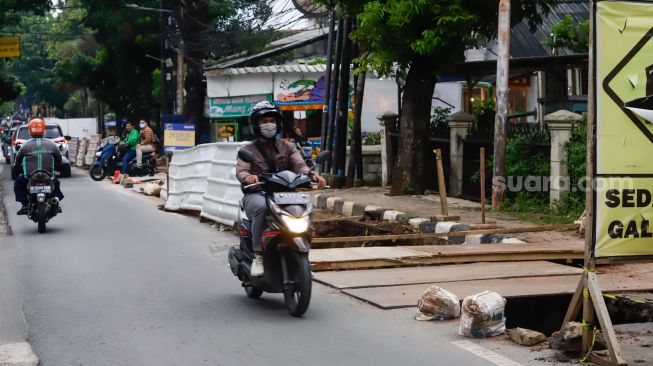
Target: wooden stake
441, 185
531, 229
483, 185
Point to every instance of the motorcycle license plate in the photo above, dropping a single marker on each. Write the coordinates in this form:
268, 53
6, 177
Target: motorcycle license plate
40, 189
292, 198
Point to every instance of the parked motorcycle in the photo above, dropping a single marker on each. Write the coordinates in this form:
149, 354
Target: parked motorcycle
286, 240
43, 206
102, 168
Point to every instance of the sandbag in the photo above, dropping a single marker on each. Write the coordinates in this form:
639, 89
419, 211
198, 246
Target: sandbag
483, 315
437, 304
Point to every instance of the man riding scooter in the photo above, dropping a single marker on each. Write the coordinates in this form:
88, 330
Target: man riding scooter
132, 139
36, 154
272, 155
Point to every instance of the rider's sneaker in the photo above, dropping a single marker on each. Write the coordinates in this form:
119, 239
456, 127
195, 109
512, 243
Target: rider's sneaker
23, 210
59, 209
257, 266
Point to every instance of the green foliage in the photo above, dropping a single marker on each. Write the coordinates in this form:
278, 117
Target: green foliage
485, 113
371, 138
6, 108
572, 204
397, 31
73, 105
439, 125
526, 144
569, 34
34, 68
10, 87
156, 84
11, 11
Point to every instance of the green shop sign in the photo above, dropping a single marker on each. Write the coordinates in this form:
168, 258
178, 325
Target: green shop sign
235, 106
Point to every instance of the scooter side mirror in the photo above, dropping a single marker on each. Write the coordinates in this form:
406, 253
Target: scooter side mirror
246, 156
323, 157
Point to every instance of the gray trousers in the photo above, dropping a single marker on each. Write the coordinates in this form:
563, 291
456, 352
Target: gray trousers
255, 208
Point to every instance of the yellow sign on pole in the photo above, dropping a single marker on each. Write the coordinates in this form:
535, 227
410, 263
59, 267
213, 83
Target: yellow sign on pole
9, 46
623, 192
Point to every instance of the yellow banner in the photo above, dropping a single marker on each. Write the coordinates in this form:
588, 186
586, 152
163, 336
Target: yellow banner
624, 128
179, 139
9, 46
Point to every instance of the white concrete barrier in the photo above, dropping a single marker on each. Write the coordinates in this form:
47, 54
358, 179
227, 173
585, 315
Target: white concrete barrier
221, 200
188, 172
204, 179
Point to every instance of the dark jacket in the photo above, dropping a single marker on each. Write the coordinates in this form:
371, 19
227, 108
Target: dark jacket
287, 158
37, 154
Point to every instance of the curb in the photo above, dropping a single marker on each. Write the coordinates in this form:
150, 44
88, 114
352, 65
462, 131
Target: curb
435, 224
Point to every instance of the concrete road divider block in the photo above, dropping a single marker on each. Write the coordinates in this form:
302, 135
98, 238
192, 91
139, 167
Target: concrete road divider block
359, 209
374, 212
449, 227
338, 205
512, 241
417, 222
391, 215
315, 199
348, 208
491, 239
331, 202
427, 226
321, 201
473, 240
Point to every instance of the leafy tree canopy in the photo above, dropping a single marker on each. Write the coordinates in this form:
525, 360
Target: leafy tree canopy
568, 33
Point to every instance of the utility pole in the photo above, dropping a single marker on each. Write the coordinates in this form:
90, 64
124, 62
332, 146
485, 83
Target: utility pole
180, 74
503, 67
343, 107
327, 91
162, 41
333, 93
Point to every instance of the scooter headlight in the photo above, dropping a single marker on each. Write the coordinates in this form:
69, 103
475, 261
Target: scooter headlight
297, 225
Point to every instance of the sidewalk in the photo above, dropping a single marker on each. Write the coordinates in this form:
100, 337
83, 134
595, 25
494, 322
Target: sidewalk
427, 206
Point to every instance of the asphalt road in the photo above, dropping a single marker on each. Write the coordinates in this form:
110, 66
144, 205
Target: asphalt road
115, 281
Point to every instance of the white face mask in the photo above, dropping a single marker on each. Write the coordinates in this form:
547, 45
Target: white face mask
268, 130
142, 125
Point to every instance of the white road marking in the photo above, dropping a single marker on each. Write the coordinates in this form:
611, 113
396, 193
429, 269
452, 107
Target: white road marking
485, 353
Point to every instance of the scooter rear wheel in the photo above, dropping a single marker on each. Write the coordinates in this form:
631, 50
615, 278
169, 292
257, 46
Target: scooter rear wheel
253, 293
40, 217
298, 297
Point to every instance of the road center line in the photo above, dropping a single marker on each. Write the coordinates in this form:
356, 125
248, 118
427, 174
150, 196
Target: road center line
485, 353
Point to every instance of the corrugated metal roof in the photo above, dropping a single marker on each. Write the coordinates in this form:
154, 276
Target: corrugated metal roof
268, 70
523, 43
281, 45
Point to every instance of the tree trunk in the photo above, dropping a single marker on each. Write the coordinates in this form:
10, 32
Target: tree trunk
193, 18
408, 175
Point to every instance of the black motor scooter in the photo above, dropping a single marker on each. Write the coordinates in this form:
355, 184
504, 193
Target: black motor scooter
43, 206
103, 168
286, 240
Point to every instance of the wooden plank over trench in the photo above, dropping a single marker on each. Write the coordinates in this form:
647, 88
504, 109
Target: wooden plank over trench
615, 279
380, 257
444, 273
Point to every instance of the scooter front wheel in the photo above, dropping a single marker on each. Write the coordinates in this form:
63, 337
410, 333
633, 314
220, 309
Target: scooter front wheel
97, 173
297, 294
